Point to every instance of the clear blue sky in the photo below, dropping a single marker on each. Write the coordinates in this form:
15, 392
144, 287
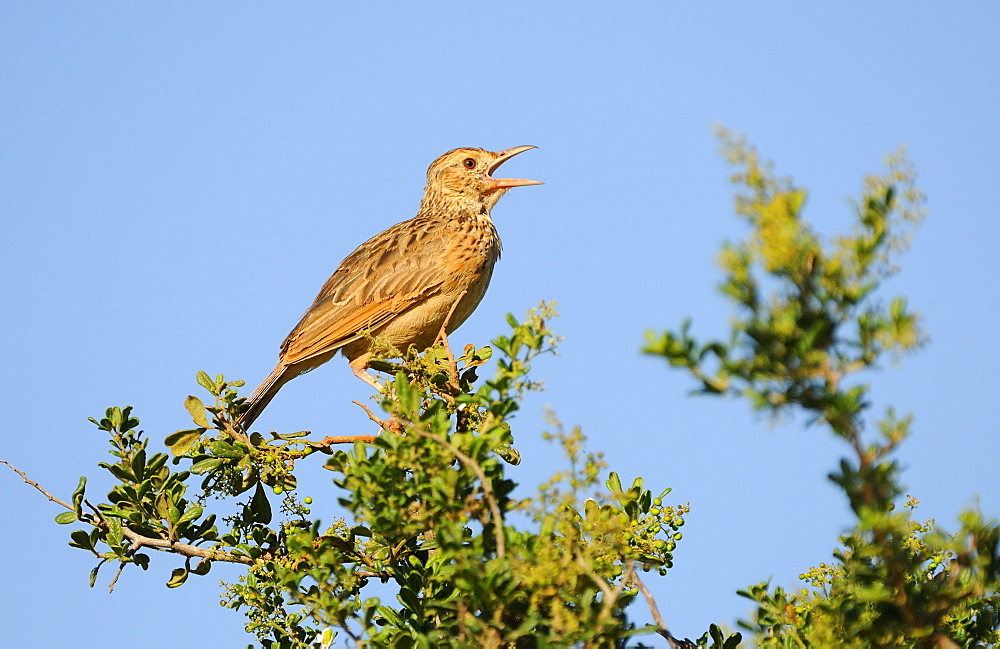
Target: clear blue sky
177, 180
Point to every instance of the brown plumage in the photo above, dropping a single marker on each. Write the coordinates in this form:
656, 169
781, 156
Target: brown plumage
401, 284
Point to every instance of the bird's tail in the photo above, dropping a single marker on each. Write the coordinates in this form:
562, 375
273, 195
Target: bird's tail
264, 393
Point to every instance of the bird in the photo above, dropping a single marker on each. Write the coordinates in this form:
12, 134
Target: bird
404, 284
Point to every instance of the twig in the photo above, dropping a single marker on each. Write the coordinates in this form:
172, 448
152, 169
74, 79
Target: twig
343, 439
118, 573
390, 424
138, 540
661, 627
38, 486
610, 596
184, 549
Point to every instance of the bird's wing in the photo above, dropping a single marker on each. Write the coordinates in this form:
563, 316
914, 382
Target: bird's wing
383, 278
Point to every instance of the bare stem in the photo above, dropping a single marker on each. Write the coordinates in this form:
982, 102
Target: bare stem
185, 549
610, 595
139, 540
37, 486
390, 424
343, 439
661, 627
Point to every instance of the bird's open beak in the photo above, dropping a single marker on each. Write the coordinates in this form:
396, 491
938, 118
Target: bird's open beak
507, 183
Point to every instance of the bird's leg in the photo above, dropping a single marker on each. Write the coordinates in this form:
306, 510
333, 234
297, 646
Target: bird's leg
443, 338
362, 374
360, 368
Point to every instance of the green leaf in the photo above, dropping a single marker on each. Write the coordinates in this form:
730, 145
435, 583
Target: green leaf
93, 575
205, 381
190, 515
509, 454
154, 463
78, 495
116, 534
409, 599
81, 539
206, 465
301, 433
202, 568
197, 411
614, 483
66, 518
383, 366
226, 448
733, 641
181, 442
260, 506
121, 472
177, 577
138, 465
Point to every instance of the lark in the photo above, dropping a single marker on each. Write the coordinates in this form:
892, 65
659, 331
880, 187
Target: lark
404, 284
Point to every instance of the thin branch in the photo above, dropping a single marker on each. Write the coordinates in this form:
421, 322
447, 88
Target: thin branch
390, 424
38, 486
343, 439
610, 596
184, 549
118, 573
139, 540
661, 627
487, 490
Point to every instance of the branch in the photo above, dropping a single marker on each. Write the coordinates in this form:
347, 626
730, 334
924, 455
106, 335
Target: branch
139, 540
121, 566
610, 595
343, 439
38, 486
661, 627
184, 549
390, 424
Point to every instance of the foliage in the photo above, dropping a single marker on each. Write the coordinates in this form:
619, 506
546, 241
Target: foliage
808, 321
427, 552
436, 548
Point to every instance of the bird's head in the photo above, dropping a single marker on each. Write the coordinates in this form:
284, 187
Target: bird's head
462, 179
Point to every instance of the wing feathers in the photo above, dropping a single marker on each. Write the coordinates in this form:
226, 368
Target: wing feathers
383, 278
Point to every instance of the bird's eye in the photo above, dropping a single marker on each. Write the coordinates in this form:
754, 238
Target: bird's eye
469, 163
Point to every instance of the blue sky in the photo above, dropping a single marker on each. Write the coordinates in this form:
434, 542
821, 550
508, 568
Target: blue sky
177, 180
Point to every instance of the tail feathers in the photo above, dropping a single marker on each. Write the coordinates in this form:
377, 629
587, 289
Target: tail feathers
264, 393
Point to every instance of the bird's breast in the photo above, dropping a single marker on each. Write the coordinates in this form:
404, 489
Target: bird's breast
472, 246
